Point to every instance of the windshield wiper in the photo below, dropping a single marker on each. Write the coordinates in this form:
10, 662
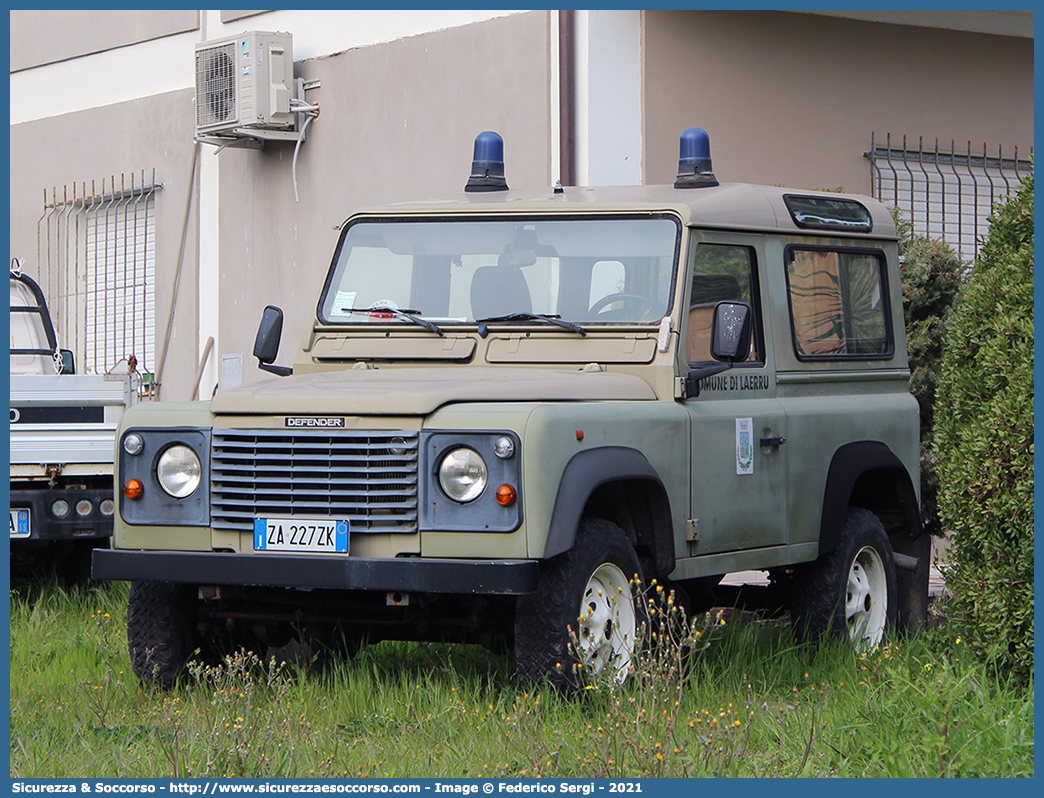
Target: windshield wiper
550, 318
404, 313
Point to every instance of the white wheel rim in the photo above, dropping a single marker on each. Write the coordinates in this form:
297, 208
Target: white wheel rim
866, 599
607, 621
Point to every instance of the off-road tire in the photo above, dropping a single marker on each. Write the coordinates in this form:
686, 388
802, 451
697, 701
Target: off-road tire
817, 594
543, 620
160, 631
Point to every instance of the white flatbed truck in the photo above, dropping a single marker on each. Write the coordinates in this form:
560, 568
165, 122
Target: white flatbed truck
63, 426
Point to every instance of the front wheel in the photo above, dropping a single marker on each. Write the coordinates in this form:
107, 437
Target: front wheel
851, 590
160, 626
586, 611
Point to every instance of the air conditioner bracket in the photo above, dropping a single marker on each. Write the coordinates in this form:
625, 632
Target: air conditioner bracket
254, 138
250, 138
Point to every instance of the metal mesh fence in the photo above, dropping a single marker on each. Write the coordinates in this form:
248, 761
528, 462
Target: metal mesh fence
946, 194
96, 260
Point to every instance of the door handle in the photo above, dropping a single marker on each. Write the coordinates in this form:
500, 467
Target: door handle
777, 441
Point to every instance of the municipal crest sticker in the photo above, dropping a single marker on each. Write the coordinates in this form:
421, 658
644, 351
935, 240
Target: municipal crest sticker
744, 446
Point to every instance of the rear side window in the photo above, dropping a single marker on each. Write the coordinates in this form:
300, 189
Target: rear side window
838, 304
829, 213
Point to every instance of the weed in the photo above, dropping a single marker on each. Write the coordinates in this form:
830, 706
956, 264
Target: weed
647, 725
739, 699
101, 695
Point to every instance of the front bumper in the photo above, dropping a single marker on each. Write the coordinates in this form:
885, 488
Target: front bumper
413, 575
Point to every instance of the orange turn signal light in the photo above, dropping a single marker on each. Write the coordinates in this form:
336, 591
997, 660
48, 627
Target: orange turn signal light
506, 495
133, 489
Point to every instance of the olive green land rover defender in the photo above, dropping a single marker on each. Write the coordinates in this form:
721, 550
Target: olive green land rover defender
511, 404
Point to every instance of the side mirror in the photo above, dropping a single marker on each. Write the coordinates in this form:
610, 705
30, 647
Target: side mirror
68, 362
730, 335
730, 342
266, 344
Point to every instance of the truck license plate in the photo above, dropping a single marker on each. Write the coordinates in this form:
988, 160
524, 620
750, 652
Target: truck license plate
19, 523
314, 535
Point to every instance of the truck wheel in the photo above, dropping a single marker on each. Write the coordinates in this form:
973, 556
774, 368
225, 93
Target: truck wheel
74, 562
160, 621
850, 590
592, 590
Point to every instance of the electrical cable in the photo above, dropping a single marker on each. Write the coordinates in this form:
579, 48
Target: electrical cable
310, 112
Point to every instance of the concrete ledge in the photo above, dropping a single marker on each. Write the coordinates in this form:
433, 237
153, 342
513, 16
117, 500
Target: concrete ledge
936, 583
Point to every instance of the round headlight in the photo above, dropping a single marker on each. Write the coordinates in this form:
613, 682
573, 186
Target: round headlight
462, 474
178, 471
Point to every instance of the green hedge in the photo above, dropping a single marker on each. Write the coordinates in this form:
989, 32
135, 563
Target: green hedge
932, 281
984, 441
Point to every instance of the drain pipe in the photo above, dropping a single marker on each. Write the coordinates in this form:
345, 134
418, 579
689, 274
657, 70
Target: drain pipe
202, 365
567, 96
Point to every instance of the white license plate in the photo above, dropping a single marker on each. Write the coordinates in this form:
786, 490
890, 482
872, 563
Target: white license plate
19, 523
314, 535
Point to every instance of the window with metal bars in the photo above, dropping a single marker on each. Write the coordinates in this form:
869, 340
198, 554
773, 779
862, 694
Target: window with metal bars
96, 255
946, 195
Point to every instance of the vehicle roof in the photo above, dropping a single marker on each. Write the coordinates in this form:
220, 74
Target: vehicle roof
739, 206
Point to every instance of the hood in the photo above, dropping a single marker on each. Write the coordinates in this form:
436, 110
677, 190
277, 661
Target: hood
418, 392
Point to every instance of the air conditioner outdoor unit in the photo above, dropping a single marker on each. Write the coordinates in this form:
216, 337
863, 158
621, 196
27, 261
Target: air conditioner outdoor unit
244, 83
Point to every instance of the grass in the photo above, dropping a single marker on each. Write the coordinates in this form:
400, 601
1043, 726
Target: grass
746, 702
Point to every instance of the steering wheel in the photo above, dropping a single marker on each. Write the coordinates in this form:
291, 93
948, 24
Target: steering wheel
597, 307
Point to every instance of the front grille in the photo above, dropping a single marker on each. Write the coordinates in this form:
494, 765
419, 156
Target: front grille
353, 475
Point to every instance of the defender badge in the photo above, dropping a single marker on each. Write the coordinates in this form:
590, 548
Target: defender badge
321, 422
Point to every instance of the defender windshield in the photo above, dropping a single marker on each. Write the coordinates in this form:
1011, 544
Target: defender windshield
589, 270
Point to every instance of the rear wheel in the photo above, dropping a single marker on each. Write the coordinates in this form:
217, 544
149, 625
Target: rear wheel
865, 612
586, 610
74, 561
850, 591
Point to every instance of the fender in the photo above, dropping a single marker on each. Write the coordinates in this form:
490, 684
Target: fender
849, 463
588, 470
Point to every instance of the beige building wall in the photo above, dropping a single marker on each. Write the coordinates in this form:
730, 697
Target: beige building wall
398, 122
102, 143
48, 37
787, 98
792, 98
